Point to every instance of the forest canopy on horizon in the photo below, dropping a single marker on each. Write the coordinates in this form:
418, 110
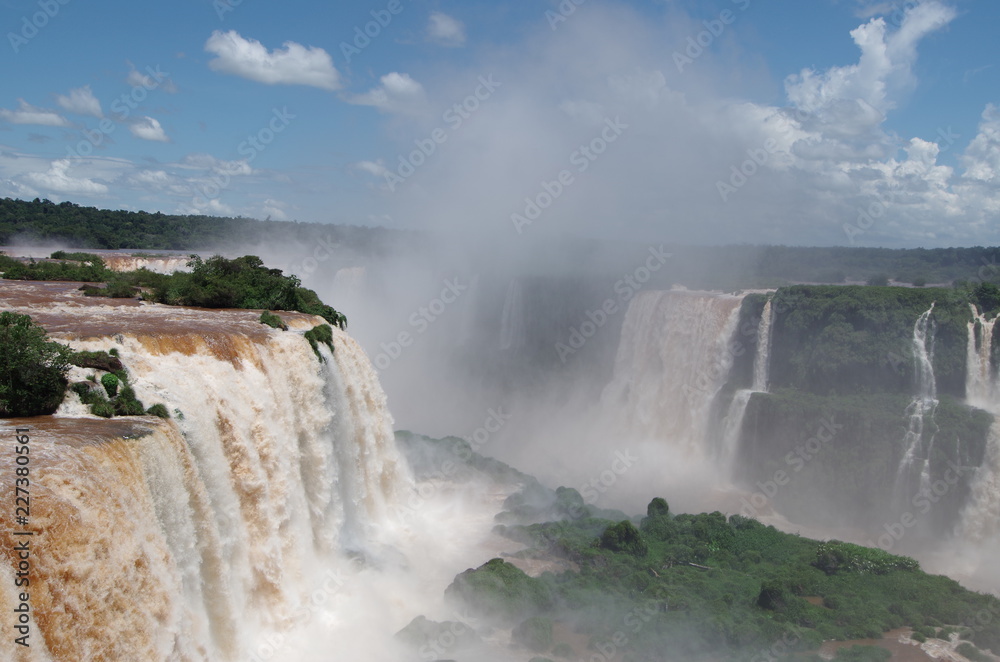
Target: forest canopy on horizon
89, 227
729, 266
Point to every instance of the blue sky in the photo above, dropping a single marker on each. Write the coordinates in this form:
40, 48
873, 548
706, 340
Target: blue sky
823, 122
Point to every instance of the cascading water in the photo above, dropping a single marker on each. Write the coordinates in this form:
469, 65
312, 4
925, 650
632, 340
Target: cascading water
732, 425
190, 539
919, 442
674, 358
762, 360
980, 377
980, 519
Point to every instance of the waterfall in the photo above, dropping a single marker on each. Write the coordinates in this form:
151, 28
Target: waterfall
920, 410
980, 518
675, 354
732, 425
980, 379
981, 514
161, 265
762, 359
193, 538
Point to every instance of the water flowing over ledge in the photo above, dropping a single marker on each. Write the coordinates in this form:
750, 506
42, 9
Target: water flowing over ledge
197, 534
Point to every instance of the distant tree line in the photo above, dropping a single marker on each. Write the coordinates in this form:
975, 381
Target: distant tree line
89, 227
709, 267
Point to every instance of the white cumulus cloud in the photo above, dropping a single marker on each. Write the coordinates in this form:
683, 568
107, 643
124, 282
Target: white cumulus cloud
148, 128
294, 64
80, 101
28, 114
445, 30
882, 75
397, 93
58, 179
982, 156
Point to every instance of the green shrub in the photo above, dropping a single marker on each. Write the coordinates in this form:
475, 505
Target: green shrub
623, 537
126, 403
77, 257
159, 410
320, 334
32, 368
89, 395
273, 321
103, 408
501, 590
118, 288
772, 596
657, 507
110, 384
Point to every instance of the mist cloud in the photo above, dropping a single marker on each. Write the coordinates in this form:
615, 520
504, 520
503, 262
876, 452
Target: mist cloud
699, 164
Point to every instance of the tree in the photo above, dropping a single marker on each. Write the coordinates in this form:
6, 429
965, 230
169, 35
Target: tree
987, 295
32, 368
658, 506
879, 280
623, 537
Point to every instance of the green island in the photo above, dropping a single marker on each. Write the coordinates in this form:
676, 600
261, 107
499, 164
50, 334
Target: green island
33, 368
217, 282
666, 586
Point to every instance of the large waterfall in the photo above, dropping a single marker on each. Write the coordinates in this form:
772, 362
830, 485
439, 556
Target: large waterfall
980, 519
919, 438
193, 538
675, 355
980, 376
732, 425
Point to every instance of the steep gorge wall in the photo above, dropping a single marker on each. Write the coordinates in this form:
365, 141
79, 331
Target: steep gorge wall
843, 406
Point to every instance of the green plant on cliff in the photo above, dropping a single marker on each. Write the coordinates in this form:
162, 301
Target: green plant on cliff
243, 282
110, 384
217, 282
272, 320
320, 334
159, 410
32, 368
851, 339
